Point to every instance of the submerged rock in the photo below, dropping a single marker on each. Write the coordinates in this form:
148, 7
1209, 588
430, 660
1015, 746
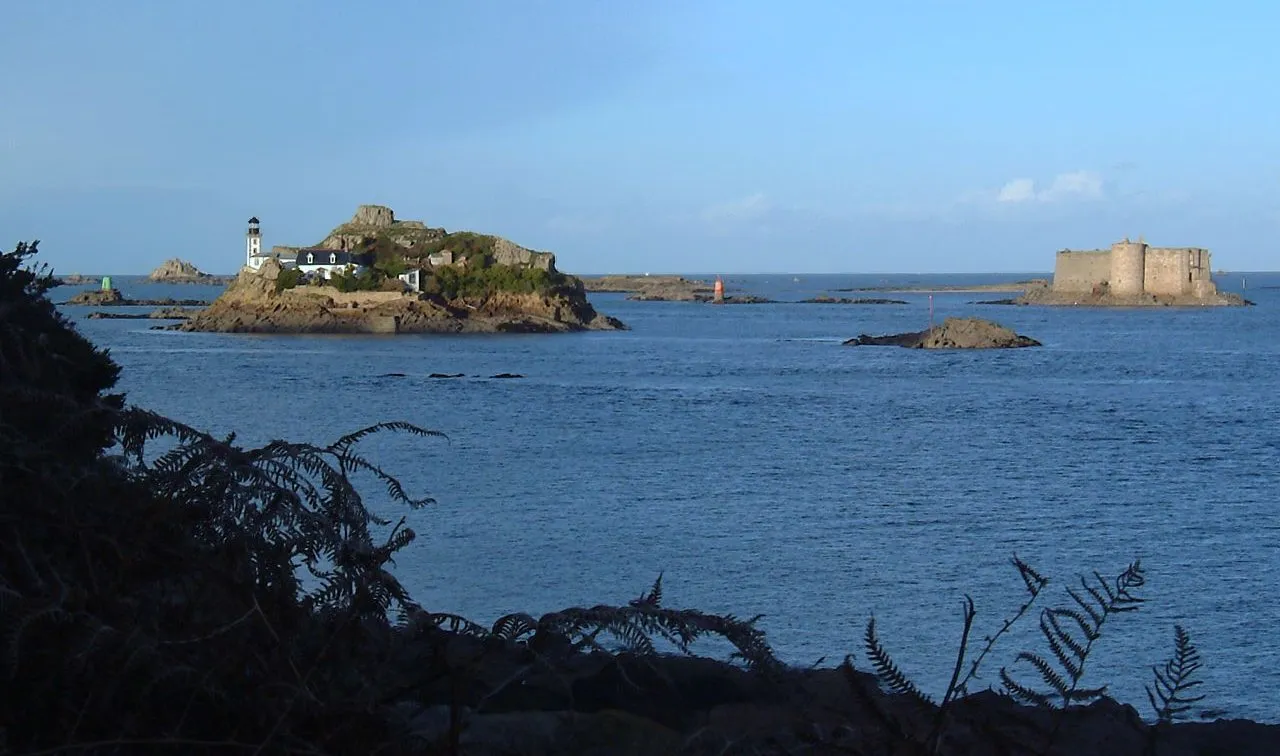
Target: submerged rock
953, 333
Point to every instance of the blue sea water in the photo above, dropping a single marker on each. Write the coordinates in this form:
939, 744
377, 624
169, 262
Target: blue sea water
763, 467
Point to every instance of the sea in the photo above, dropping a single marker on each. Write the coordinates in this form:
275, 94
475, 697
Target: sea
763, 468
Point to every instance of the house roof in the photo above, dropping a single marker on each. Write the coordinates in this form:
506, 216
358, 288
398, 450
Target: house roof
339, 257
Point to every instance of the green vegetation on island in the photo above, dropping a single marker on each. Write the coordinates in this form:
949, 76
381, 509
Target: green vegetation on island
452, 265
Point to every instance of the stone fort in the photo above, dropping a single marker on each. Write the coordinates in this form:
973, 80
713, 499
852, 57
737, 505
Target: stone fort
1135, 268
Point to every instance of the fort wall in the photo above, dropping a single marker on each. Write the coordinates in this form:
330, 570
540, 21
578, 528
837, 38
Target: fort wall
1128, 267
1135, 269
1081, 271
1168, 271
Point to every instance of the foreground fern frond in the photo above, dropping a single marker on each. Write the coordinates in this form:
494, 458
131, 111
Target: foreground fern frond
632, 628
1169, 693
887, 671
295, 500
1071, 633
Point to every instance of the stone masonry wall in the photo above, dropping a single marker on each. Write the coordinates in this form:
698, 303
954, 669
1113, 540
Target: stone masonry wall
1080, 271
1168, 271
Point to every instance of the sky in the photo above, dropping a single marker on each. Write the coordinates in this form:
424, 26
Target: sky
687, 136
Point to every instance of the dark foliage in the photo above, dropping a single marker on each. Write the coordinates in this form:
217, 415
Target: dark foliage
150, 589
163, 591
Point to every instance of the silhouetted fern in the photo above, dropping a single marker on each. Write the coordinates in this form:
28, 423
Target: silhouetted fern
1172, 684
1071, 633
888, 672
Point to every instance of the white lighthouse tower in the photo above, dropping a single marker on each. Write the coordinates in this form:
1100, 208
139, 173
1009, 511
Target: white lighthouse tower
253, 245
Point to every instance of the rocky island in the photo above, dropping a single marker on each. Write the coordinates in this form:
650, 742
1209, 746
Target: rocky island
376, 274
1130, 274
181, 271
954, 333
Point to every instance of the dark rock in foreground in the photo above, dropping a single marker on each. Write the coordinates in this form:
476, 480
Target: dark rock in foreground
954, 333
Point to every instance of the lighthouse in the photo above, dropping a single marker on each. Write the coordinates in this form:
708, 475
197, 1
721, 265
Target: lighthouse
253, 245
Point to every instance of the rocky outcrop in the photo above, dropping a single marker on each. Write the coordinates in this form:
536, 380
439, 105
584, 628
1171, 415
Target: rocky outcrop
374, 225
509, 253
180, 271
253, 305
75, 279
98, 297
953, 333
375, 216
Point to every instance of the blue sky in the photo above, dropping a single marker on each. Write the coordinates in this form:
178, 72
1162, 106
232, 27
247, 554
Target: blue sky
669, 135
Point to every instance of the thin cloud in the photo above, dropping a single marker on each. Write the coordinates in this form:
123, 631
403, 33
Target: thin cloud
1077, 185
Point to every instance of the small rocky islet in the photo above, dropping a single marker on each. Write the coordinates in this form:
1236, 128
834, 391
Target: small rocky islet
952, 333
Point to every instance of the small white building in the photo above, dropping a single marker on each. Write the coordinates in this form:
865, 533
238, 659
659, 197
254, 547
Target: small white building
412, 279
327, 262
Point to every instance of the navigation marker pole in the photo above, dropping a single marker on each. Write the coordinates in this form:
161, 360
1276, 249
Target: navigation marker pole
930, 312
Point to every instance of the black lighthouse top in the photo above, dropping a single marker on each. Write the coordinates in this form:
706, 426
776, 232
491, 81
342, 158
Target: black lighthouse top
253, 221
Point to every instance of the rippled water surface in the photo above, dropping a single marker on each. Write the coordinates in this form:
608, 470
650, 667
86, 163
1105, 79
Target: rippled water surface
765, 468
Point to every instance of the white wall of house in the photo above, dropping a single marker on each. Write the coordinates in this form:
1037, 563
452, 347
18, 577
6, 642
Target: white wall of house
413, 278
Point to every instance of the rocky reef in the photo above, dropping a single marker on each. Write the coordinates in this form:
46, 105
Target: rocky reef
852, 301
163, 313
953, 333
651, 288
113, 298
254, 303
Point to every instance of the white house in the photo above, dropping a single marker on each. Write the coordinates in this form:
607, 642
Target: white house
327, 262
413, 279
